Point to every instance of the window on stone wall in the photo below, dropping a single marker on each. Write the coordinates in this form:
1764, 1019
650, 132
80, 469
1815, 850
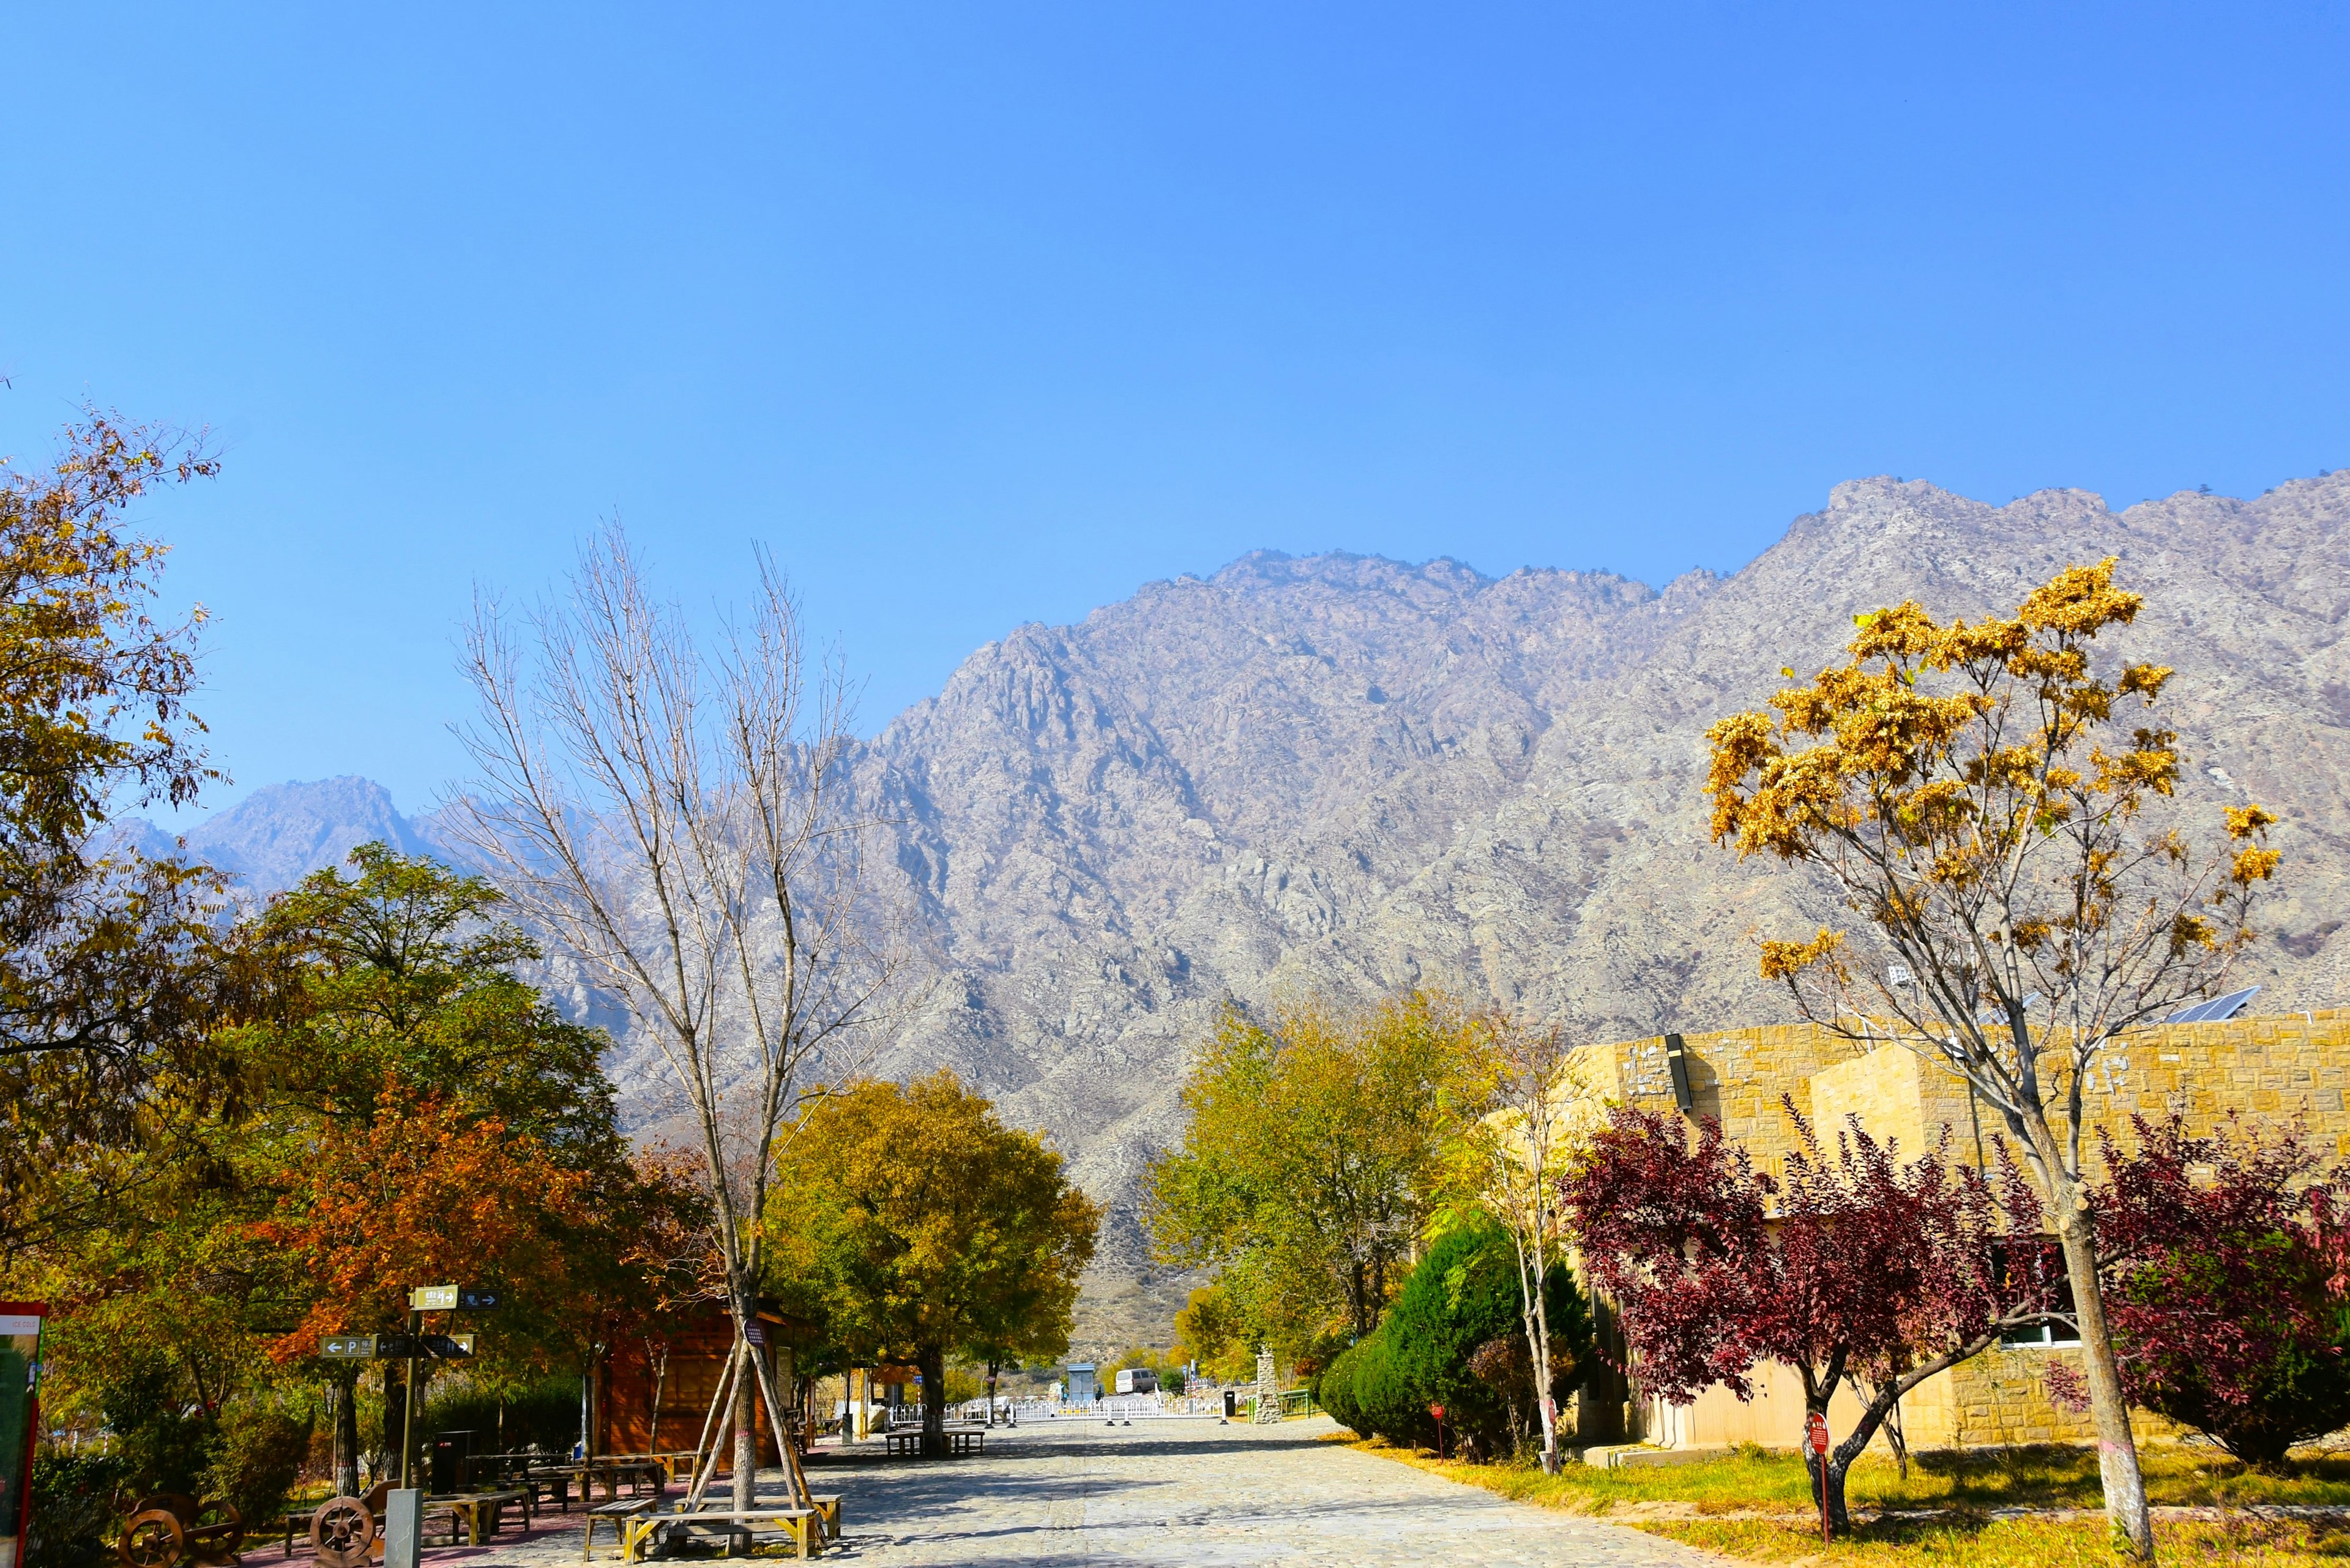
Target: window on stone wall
2045, 1260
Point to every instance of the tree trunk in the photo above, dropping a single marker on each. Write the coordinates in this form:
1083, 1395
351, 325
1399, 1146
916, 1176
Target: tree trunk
2118, 1466
1537, 1326
1839, 1520
395, 1416
346, 1434
991, 1393
934, 1363
660, 1386
746, 1440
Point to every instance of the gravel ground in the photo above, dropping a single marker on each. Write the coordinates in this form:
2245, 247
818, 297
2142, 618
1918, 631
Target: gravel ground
1175, 1491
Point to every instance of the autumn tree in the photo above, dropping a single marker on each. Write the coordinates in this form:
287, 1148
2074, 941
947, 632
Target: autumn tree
923, 1227
112, 972
1210, 1331
1313, 1151
1857, 1268
680, 825
2227, 1268
421, 1194
1974, 796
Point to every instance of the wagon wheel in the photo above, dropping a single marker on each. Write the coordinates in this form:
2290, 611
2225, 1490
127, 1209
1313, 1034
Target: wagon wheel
151, 1538
341, 1532
216, 1531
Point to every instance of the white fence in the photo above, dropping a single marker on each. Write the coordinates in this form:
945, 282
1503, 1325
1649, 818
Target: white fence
1109, 1407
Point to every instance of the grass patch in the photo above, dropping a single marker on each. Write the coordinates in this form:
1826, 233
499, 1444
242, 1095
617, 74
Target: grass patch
1970, 1479
2017, 1542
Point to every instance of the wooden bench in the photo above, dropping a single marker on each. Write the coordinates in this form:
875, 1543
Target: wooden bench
805, 1528
620, 1513
960, 1441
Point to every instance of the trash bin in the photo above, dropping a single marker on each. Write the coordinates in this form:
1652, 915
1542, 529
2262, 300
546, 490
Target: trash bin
1232, 1404
448, 1463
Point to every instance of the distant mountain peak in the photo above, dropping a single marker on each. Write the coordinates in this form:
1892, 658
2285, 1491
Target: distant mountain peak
281, 833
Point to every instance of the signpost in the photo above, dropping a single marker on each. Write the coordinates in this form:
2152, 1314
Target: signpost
413, 1346
1437, 1411
1815, 1437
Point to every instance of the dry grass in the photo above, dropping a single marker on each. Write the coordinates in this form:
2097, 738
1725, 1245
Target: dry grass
1964, 1542
1757, 1505
1976, 1481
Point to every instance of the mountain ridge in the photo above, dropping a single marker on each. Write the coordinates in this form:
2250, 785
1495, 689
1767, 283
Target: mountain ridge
1346, 774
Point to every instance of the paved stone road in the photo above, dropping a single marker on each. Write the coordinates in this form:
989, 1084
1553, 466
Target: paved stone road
1179, 1493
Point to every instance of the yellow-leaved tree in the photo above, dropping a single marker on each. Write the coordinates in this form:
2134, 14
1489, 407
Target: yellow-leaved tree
2000, 829
918, 1226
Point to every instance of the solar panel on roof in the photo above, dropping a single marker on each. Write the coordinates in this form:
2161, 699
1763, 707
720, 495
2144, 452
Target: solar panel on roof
2219, 1009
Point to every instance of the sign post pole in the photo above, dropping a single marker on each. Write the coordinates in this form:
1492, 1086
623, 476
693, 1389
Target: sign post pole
1815, 1437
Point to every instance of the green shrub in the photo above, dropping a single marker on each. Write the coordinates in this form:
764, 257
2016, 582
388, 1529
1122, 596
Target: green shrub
1384, 1395
74, 1508
1333, 1391
165, 1440
257, 1455
1464, 1296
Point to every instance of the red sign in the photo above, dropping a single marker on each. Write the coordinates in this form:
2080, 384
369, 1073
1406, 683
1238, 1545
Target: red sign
1815, 1432
1436, 1411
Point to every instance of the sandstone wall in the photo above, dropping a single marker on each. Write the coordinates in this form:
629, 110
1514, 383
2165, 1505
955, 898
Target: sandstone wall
2273, 1070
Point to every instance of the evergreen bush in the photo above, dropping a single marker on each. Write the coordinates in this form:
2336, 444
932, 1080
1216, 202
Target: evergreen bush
1333, 1391
76, 1507
257, 1454
1463, 1296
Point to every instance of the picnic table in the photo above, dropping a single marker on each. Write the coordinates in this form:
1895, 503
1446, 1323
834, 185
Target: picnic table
639, 1471
960, 1439
479, 1507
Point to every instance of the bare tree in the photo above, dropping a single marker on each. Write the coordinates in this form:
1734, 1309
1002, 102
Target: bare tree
1542, 1106
680, 825
1971, 792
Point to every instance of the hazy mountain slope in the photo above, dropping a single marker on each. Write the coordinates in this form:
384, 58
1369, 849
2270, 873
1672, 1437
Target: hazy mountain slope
1349, 774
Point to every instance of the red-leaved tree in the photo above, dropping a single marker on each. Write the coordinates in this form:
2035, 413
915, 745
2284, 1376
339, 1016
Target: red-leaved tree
2227, 1278
1859, 1267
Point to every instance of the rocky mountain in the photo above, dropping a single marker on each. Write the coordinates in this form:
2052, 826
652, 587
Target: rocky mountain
280, 832
1350, 774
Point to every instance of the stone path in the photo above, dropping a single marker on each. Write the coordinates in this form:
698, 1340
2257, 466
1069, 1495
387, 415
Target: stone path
1178, 1493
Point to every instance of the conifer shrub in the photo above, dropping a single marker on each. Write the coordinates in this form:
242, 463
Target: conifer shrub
1333, 1391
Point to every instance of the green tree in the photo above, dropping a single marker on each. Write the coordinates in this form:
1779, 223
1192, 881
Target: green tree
1313, 1154
922, 1227
404, 974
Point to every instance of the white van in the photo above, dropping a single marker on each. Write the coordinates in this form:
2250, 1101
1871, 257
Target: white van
1137, 1380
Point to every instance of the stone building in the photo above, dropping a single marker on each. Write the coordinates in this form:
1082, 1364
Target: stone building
2274, 1069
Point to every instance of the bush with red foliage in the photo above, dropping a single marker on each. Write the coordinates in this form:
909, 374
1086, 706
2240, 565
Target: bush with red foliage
2226, 1274
1857, 1267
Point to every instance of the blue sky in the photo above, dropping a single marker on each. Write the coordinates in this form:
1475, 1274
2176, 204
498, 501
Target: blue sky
987, 314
